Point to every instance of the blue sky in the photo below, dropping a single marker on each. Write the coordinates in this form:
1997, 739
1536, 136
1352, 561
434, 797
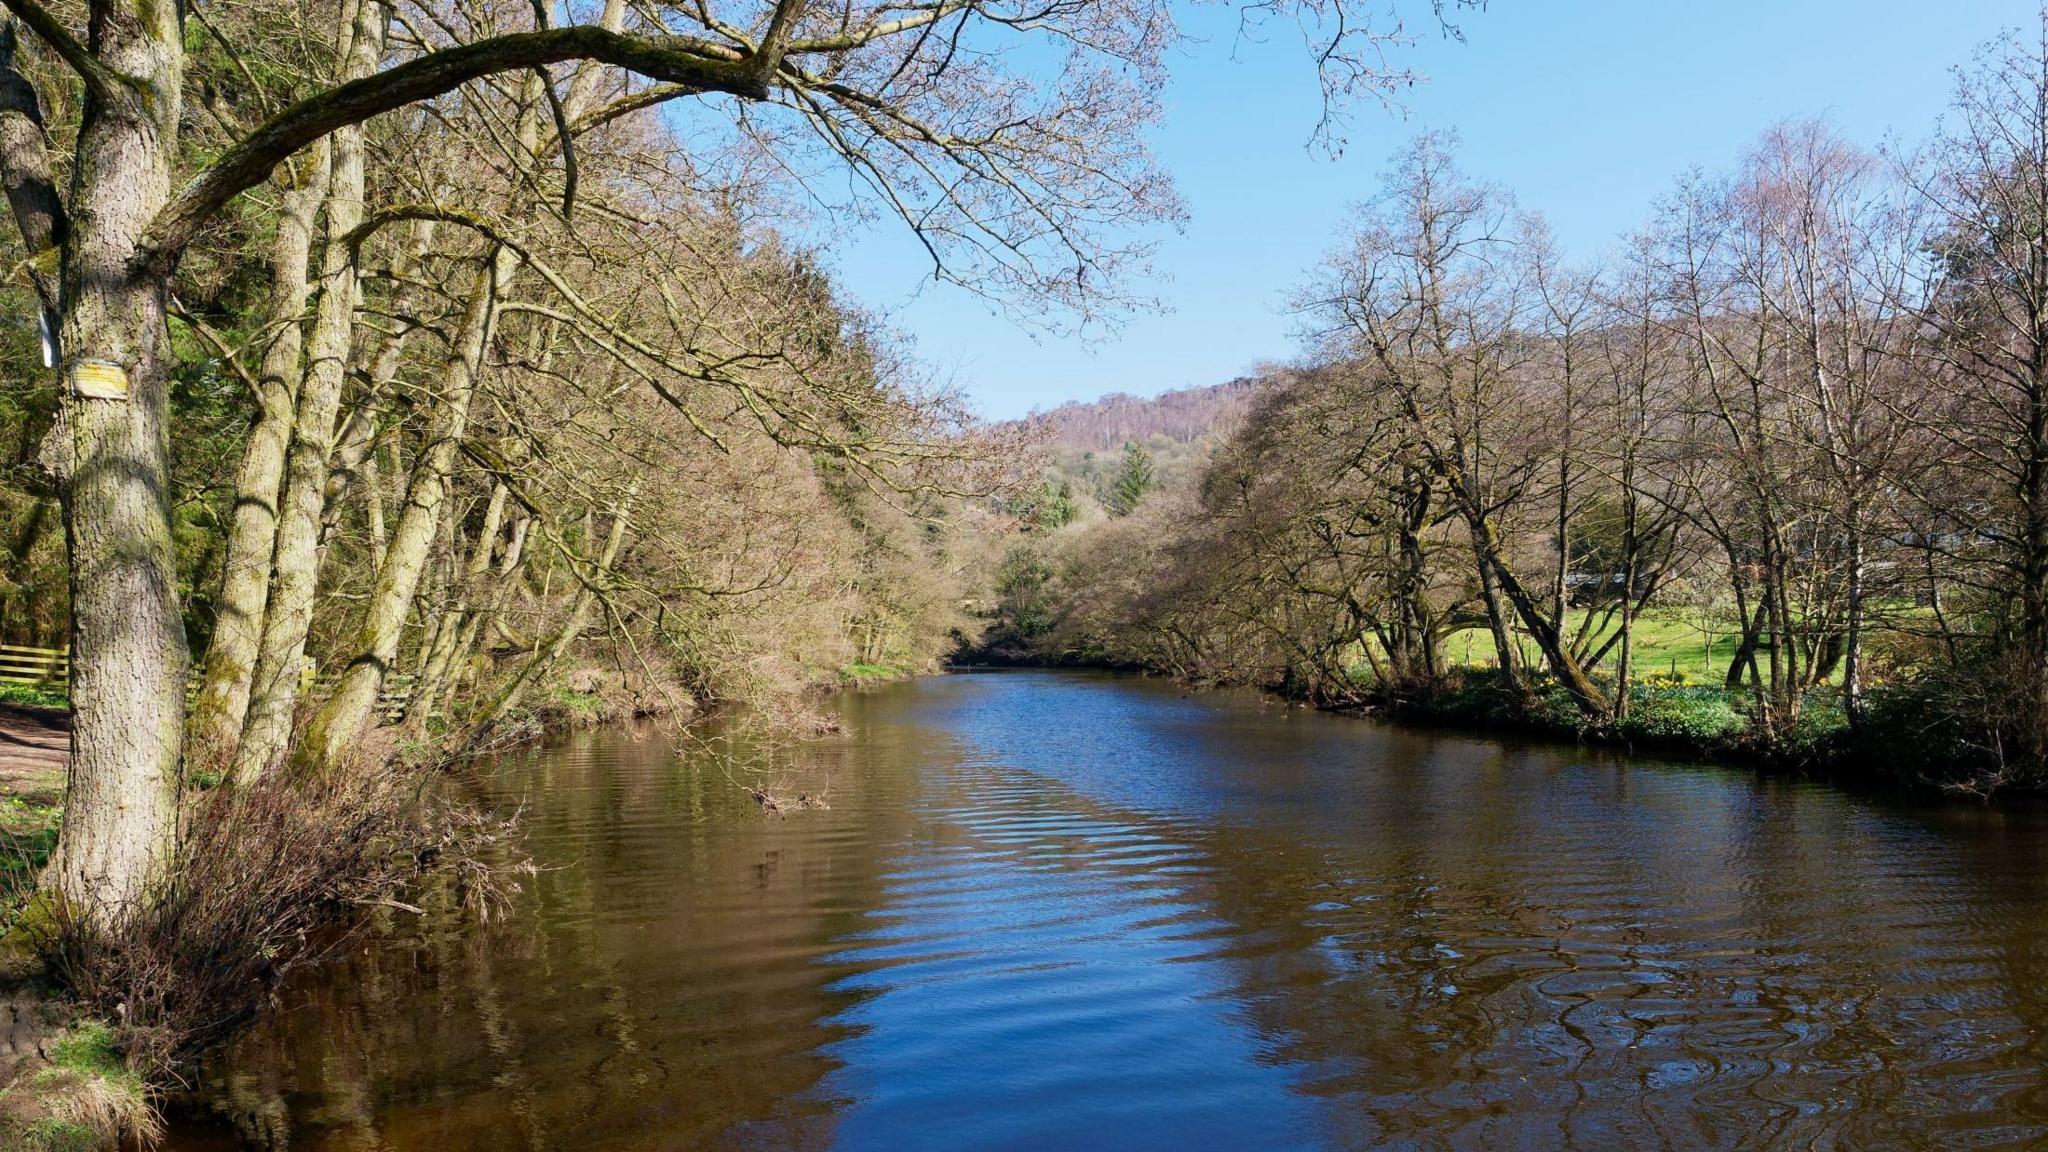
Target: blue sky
1586, 109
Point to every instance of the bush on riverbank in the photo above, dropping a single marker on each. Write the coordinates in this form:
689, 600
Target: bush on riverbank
275, 875
1668, 711
859, 674
1938, 731
1664, 712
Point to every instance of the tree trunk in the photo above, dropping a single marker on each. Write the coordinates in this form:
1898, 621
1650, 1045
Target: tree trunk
1745, 645
579, 613
1505, 652
373, 510
109, 451
465, 645
1852, 657
1624, 657
355, 450
223, 703
1499, 580
454, 622
295, 568
343, 716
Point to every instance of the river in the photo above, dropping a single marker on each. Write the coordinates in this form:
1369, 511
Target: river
1075, 911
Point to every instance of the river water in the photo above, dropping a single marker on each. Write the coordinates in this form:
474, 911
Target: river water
1074, 911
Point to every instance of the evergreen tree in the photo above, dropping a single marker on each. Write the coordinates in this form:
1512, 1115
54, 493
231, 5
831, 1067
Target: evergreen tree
1056, 508
1133, 480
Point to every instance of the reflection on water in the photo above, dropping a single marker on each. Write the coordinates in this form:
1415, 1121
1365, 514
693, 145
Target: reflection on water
1070, 911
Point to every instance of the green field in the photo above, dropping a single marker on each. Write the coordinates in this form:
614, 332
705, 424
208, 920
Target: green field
1666, 640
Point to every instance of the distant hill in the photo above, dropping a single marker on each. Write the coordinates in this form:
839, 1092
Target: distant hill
1182, 416
1084, 441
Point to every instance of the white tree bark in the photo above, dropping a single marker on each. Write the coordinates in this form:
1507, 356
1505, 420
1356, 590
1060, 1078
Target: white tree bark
345, 713
223, 704
295, 571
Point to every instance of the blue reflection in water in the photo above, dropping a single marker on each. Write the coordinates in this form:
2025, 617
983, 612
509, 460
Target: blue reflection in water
1058, 910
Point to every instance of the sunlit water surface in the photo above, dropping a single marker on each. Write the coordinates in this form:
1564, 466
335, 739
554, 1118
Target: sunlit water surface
1051, 910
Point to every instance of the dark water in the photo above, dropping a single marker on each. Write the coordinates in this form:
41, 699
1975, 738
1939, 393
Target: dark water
1050, 911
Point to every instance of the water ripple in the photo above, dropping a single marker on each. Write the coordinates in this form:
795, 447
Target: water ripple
1063, 911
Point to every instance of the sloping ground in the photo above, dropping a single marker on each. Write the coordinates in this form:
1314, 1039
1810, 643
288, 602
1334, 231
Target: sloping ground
64, 1083
35, 746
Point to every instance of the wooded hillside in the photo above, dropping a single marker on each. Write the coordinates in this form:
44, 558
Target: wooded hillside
1181, 415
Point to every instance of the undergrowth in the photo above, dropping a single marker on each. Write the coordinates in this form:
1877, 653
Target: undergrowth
1664, 712
271, 877
36, 695
28, 834
84, 1094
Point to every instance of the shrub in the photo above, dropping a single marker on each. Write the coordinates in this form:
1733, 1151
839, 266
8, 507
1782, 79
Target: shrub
1473, 696
1692, 716
1551, 706
1930, 731
265, 873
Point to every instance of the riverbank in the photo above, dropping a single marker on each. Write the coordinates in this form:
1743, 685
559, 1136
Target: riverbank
1665, 714
1905, 742
276, 877
65, 1082
64, 1086
69, 1080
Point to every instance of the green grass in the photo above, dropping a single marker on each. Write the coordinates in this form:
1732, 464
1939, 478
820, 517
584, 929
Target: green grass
1665, 640
1663, 712
28, 834
32, 694
583, 705
88, 1048
89, 1095
53, 1135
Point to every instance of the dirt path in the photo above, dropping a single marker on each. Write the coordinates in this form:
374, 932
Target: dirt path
35, 746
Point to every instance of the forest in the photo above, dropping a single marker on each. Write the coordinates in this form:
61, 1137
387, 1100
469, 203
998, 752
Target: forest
1801, 411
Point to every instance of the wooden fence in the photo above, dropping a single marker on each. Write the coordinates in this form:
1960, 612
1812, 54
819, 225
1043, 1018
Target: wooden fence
36, 667
50, 668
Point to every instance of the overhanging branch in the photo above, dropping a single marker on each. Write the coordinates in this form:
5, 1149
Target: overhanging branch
700, 65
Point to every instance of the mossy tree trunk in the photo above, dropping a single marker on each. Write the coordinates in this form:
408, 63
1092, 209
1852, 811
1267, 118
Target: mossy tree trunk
109, 452
344, 714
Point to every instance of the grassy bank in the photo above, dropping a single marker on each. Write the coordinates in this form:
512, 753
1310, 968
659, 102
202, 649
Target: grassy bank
860, 674
1665, 713
66, 1084
1908, 736
1667, 640
71, 1089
